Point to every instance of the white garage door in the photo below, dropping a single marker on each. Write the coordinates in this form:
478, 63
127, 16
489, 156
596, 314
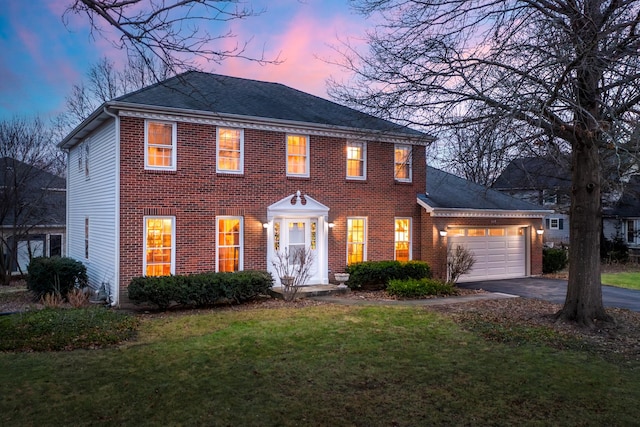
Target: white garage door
500, 253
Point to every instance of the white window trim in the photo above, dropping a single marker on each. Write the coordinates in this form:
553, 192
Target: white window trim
557, 225
174, 146
365, 237
173, 241
409, 162
302, 175
363, 144
410, 236
240, 171
636, 231
241, 253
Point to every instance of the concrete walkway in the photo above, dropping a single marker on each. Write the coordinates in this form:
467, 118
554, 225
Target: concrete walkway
414, 302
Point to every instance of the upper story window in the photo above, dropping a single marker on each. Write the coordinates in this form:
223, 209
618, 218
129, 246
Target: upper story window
160, 145
356, 160
230, 150
86, 160
298, 155
402, 163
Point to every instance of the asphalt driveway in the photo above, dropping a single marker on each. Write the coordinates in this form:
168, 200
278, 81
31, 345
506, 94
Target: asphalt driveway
555, 290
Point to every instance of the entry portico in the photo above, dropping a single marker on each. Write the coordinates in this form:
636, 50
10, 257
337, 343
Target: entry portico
299, 221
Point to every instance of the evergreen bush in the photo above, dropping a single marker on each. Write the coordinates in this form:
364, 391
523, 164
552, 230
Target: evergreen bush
418, 288
554, 260
375, 275
55, 276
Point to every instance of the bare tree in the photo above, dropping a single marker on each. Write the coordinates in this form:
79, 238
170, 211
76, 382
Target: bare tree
460, 260
173, 31
29, 186
564, 71
293, 269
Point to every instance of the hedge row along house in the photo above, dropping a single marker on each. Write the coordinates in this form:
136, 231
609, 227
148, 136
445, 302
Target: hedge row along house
205, 172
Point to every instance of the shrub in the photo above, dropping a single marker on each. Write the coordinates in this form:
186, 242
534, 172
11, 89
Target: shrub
416, 288
199, 289
554, 260
375, 275
614, 250
55, 276
459, 261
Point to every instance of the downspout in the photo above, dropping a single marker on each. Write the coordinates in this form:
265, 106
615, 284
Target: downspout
116, 220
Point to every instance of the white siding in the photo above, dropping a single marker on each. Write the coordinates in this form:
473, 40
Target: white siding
94, 197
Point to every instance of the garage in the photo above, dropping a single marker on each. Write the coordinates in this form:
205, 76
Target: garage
500, 252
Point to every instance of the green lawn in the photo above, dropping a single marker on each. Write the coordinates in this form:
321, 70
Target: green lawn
628, 279
317, 366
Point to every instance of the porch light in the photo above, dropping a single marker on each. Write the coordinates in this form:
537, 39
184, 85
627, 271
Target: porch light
265, 225
332, 224
443, 233
540, 231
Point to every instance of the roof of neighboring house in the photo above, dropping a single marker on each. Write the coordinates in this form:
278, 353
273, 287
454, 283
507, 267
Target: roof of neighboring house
42, 194
447, 191
231, 97
628, 206
534, 173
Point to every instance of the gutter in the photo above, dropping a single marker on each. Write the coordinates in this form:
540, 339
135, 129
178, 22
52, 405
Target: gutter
116, 298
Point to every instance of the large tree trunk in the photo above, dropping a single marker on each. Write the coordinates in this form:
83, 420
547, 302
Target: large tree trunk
583, 303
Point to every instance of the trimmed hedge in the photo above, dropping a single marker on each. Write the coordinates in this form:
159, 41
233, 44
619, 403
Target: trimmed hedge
375, 275
199, 289
417, 288
55, 275
554, 260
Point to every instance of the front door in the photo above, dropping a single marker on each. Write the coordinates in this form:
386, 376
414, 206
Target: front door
301, 234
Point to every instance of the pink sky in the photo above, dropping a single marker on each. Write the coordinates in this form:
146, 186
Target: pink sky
43, 58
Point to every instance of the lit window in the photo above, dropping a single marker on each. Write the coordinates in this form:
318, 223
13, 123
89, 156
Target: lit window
229, 149
476, 232
402, 168
229, 244
356, 240
356, 160
297, 155
159, 248
160, 145
403, 239
496, 232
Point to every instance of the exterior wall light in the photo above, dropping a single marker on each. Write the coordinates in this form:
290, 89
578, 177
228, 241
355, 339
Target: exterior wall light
332, 224
443, 233
265, 225
540, 231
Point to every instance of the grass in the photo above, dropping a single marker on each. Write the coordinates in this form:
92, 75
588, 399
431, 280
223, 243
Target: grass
321, 366
624, 279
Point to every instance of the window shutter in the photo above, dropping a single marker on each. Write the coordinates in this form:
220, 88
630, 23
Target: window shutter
560, 223
546, 223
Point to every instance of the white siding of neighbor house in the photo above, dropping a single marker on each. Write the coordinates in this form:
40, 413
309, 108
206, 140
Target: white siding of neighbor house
94, 197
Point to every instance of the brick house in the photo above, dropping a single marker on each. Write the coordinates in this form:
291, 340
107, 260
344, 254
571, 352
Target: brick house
206, 172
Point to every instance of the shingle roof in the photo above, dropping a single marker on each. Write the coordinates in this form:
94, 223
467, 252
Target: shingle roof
216, 93
447, 191
536, 173
42, 194
628, 206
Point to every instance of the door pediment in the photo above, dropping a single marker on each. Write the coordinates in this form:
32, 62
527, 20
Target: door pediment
297, 205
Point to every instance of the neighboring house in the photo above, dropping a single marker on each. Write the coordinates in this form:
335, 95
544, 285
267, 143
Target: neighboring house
544, 182
503, 232
206, 172
32, 215
623, 218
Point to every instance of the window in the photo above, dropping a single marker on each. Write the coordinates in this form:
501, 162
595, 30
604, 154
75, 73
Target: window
229, 244
403, 239
86, 160
160, 145
476, 232
496, 232
229, 150
402, 170
297, 155
159, 246
356, 240
554, 223
632, 231
86, 238
55, 245
356, 160
549, 198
